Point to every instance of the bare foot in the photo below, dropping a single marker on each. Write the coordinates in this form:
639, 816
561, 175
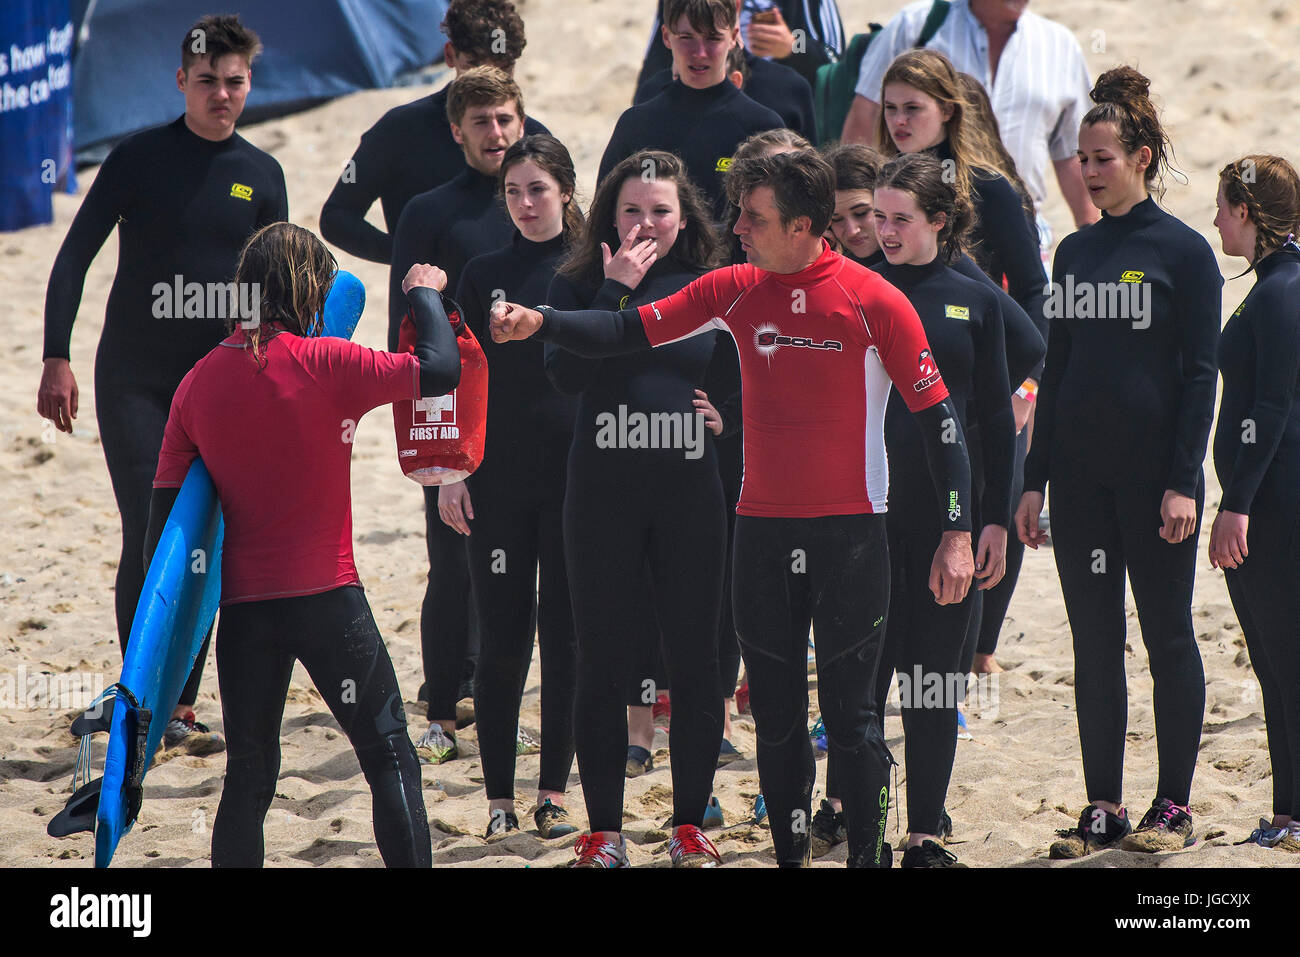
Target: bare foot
986, 665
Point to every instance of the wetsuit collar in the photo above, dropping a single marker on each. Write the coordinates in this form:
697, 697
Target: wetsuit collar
711, 94
874, 259
475, 182
1144, 212
529, 250
194, 139
906, 274
1288, 253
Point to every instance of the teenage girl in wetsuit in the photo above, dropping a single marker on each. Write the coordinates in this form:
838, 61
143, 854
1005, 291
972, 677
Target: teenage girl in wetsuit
1124, 416
1257, 456
266, 411
647, 236
510, 507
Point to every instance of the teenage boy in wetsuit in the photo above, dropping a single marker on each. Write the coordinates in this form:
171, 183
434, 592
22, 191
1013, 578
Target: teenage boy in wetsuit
185, 197
821, 339
411, 150
701, 116
449, 226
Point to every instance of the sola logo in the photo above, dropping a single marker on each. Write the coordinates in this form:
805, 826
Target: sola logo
767, 339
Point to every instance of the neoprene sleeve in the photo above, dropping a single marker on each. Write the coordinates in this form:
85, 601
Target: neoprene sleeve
949, 464
435, 345
594, 332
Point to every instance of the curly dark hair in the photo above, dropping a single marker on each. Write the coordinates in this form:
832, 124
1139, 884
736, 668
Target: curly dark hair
489, 32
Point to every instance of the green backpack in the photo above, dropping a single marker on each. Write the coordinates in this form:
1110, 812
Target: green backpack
837, 82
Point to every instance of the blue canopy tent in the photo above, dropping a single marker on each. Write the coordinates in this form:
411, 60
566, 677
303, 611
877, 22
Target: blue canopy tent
313, 50
125, 61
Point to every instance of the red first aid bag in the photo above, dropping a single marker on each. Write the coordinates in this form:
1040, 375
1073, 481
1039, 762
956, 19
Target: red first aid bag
440, 438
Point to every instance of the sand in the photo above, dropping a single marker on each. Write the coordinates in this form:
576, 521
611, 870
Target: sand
1229, 84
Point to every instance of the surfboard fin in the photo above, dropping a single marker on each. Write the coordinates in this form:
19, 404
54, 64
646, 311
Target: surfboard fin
139, 764
96, 718
79, 813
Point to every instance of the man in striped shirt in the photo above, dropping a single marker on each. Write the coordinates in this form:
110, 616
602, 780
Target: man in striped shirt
1035, 75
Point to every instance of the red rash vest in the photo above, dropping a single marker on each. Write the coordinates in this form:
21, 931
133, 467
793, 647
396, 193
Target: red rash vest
277, 441
819, 351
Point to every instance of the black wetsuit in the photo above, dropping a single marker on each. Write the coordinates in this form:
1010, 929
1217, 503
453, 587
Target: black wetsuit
184, 206
409, 151
516, 551
1004, 243
625, 507
1257, 457
1026, 348
964, 326
445, 227
770, 84
1124, 413
703, 127
823, 33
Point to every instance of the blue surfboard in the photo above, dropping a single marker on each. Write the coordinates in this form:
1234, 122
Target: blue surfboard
178, 604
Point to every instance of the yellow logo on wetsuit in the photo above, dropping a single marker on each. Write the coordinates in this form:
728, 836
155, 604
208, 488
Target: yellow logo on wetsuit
723, 164
622, 303
957, 312
240, 191
1132, 275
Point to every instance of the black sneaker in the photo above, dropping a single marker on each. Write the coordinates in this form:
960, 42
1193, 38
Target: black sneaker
930, 854
1096, 831
945, 826
1166, 827
552, 821
639, 761
827, 829
499, 825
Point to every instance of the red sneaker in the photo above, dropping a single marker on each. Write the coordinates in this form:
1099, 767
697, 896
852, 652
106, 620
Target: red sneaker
601, 849
661, 711
690, 848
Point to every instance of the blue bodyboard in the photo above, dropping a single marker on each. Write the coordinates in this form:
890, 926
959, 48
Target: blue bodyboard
178, 604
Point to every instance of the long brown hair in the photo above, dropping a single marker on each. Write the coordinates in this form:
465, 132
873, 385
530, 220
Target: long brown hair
986, 137
1121, 95
921, 176
932, 73
698, 245
292, 272
1270, 188
553, 158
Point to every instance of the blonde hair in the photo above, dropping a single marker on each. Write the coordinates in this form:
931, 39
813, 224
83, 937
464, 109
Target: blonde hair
481, 86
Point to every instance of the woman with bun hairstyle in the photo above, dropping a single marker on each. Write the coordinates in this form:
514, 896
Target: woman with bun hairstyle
628, 507
1255, 538
1124, 416
509, 509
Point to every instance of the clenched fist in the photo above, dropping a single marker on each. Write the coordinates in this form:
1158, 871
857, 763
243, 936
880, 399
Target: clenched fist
422, 274
512, 321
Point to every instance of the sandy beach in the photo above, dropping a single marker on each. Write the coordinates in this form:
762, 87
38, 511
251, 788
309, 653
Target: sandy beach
1227, 79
